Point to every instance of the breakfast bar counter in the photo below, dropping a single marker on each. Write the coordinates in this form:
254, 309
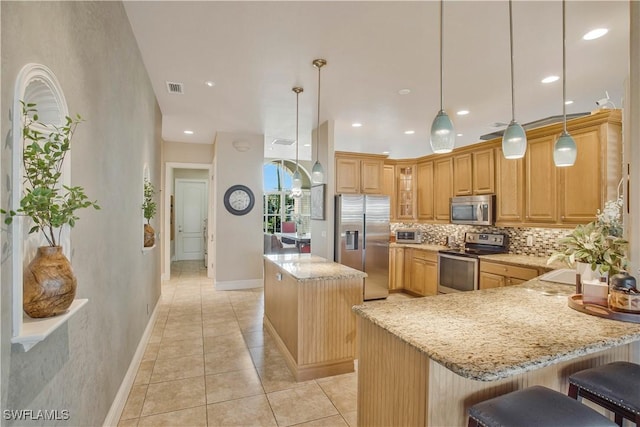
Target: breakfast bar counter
307, 310
425, 361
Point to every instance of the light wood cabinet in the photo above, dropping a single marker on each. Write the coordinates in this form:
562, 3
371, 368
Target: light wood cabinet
462, 175
596, 172
425, 190
541, 182
473, 173
483, 171
396, 269
422, 272
443, 187
494, 275
509, 189
389, 188
359, 173
406, 193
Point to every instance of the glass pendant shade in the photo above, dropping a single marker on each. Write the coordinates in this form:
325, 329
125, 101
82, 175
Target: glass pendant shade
317, 173
442, 136
565, 150
296, 184
514, 141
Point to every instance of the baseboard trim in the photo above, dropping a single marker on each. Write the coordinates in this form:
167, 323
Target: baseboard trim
234, 285
117, 406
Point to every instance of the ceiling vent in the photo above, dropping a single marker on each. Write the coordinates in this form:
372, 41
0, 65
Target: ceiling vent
173, 87
282, 141
532, 125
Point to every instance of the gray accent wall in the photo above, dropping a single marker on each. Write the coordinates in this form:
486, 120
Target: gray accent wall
91, 49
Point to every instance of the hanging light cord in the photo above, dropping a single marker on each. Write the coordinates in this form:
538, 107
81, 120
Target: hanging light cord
564, 71
297, 143
318, 122
513, 108
441, 44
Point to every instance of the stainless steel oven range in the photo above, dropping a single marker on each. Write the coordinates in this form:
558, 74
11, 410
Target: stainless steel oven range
458, 270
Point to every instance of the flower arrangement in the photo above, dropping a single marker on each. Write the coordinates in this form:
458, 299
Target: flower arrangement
598, 243
149, 206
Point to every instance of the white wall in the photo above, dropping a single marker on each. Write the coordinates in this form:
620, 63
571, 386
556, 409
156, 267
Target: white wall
238, 239
632, 138
92, 51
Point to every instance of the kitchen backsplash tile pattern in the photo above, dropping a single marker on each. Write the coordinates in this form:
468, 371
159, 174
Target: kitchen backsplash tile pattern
544, 241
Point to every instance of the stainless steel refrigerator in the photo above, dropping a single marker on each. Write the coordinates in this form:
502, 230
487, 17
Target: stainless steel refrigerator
362, 239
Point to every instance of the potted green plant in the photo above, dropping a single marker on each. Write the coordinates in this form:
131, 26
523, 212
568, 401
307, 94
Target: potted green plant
598, 244
49, 284
149, 208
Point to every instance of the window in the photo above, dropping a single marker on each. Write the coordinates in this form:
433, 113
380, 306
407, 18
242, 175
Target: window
279, 206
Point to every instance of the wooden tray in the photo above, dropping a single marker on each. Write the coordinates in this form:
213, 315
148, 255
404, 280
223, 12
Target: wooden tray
575, 302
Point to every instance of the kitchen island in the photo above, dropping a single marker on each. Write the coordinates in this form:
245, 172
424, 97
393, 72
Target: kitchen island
307, 310
424, 362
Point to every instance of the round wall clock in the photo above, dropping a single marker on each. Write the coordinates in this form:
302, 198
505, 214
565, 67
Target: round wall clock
239, 199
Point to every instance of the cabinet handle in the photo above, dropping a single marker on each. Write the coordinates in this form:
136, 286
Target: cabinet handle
562, 217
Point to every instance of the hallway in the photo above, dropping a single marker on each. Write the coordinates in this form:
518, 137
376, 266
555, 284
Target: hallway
209, 363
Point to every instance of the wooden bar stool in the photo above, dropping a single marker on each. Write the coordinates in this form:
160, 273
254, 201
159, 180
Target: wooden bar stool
614, 386
535, 406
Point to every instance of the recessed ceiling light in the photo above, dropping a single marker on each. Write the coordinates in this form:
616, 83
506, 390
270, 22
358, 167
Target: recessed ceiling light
462, 112
307, 145
404, 91
409, 132
568, 102
188, 132
210, 83
595, 34
356, 125
385, 152
550, 79
458, 134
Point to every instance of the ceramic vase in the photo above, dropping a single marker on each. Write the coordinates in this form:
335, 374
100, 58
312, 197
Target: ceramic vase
149, 236
49, 285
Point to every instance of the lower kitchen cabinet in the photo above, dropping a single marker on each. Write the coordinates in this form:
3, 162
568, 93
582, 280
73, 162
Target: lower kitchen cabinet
422, 269
396, 269
496, 275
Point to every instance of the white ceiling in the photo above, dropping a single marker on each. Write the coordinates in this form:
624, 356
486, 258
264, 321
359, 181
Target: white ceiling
255, 52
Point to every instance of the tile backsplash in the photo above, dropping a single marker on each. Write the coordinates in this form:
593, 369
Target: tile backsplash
545, 240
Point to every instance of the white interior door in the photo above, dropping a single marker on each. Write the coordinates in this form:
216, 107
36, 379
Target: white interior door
191, 211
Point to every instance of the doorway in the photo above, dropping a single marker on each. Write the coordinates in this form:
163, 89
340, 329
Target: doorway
191, 215
175, 171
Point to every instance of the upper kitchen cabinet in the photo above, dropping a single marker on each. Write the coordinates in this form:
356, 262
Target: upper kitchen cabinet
594, 178
389, 187
442, 187
483, 172
473, 173
406, 191
571, 195
510, 190
425, 190
462, 175
359, 173
541, 181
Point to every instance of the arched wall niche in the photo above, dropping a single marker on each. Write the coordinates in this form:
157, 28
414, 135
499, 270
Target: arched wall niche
36, 84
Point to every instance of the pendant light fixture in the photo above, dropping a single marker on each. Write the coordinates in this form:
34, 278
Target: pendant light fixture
317, 172
442, 134
565, 150
514, 140
296, 185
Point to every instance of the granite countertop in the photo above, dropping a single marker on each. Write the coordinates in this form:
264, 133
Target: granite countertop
307, 267
423, 246
524, 260
497, 333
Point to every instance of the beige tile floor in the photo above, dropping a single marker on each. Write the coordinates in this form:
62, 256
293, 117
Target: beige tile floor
209, 362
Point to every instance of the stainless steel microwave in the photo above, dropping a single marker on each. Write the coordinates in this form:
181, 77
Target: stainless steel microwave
473, 210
